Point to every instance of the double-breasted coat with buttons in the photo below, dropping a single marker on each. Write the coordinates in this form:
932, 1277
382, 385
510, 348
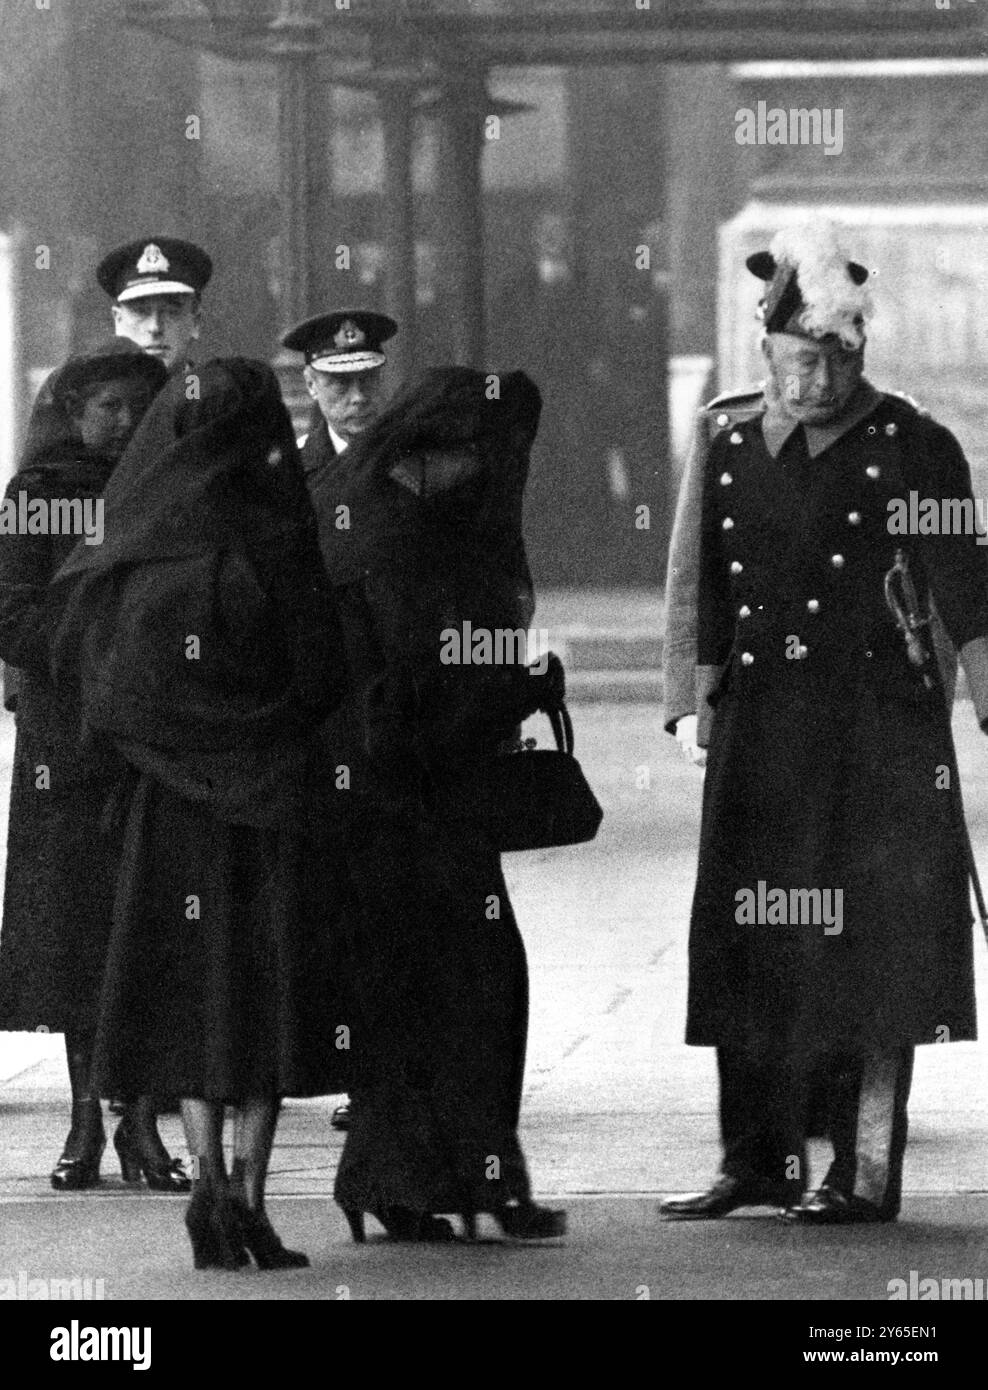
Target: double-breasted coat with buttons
829, 755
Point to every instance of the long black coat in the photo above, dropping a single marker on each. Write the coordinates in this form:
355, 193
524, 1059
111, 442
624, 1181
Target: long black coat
58, 891
438, 960
220, 980
826, 767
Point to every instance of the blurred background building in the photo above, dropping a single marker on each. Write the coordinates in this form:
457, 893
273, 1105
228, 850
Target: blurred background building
551, 184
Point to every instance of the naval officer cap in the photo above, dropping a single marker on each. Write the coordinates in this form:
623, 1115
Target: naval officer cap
154, 265
813, 289
347, 341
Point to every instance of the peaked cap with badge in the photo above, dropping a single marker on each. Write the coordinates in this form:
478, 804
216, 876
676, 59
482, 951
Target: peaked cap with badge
350, 340
154, 265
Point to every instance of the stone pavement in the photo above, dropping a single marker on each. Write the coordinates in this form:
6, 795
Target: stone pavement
609, 641
617, 1110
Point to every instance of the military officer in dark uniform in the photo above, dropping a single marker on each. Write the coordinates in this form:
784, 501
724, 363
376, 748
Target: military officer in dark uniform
831, 924
343, 362
156, 285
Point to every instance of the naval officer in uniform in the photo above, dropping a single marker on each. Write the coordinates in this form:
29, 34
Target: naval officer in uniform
831, 796
344, 357
343, 374
156, 286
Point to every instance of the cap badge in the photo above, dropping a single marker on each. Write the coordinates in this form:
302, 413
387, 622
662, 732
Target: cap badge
349, 336
153, 260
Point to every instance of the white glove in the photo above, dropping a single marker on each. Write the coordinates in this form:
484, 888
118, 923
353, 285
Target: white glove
686, 738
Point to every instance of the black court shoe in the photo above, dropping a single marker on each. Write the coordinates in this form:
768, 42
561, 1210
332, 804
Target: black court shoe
262, 1241
76, 1173
215, 1232
401, 1223
78, 1167
154, 1163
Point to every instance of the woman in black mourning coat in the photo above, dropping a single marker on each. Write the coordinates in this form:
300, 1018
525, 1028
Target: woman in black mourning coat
424, 535
204, 641
61, 861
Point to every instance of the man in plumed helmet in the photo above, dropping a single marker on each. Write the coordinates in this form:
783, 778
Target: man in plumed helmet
831, 928
156, 286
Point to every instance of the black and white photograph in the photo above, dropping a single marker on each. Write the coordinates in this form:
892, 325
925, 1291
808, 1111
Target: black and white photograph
494, 635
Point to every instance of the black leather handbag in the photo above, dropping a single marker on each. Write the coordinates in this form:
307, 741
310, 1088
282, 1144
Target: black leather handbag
538, 798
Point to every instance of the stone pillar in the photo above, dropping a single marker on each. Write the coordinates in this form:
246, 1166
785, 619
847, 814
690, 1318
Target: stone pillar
304, 243
701, 191
621, 152
460, 115
301, 154
909, 184
398, 224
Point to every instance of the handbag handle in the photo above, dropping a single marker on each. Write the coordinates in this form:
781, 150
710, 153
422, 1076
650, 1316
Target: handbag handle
562, 728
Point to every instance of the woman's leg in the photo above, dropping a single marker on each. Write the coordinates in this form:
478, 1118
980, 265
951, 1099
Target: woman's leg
214, 1229
253, 1139
203, 1121
87, 1112
78, 1166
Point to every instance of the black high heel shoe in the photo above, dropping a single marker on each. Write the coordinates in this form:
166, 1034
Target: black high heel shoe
215, 1232
528, 1221
401, 1223
262, 1240
355, 1220
162, 1172
77, 1171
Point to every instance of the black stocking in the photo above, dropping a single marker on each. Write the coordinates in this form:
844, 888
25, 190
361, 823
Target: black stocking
203, 1121
87, 1113
255, 1124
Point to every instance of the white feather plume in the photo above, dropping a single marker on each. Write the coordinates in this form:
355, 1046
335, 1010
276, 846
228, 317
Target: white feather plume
834, 303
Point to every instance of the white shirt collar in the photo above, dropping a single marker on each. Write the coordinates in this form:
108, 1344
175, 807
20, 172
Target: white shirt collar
339, 444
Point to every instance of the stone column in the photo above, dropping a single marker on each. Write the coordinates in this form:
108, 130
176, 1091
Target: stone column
398, 223
304, 243
301, 154
460, 111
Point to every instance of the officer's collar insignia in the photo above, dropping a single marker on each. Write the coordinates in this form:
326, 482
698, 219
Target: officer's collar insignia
153, 260
348, 336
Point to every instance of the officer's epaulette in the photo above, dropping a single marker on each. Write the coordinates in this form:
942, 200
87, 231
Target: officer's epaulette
909, 400
732, 407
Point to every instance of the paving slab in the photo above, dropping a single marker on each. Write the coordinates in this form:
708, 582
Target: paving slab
617, 1110
616, 1249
